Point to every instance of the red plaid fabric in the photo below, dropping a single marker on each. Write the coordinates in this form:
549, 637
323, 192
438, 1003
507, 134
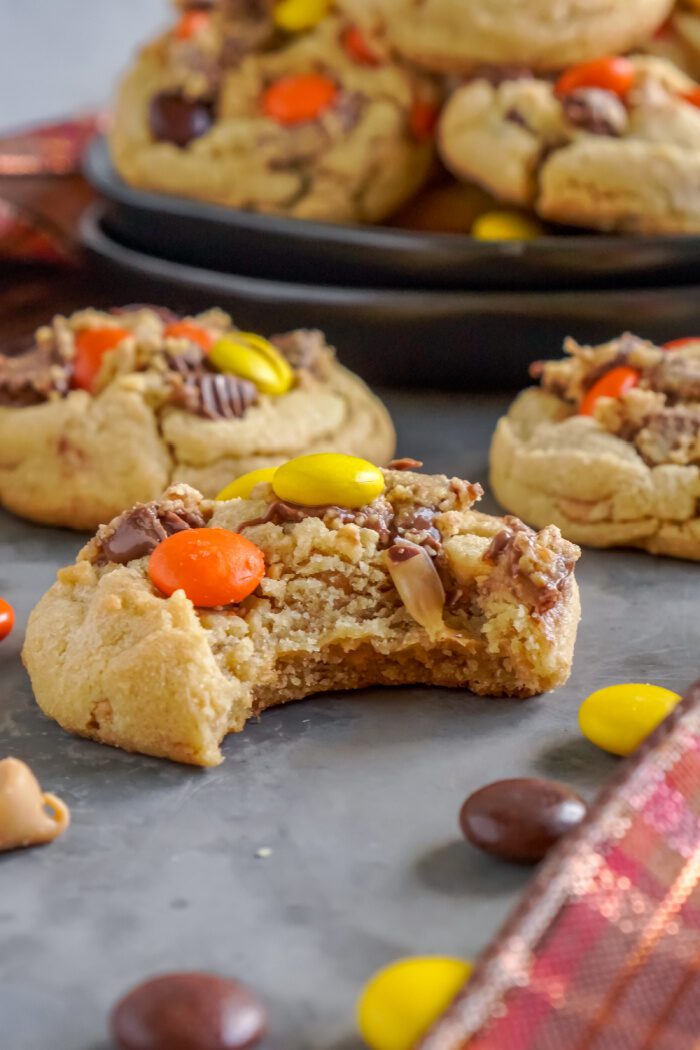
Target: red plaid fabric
604, 951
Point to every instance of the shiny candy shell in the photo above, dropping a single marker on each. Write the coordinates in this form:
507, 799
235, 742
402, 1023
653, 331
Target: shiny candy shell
399, 1004
296, 15
619, 717
242, 488
506, 226
328, 478
251, 357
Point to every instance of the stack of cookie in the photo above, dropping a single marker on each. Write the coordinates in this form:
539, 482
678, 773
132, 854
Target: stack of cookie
584, 113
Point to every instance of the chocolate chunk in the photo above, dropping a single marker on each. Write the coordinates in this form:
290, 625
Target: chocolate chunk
32, 377
677, 376
596, 111
403, 552
249, 25
205, 392
537, 574
520, 819
188, 1011
669, 436
138, 531
179, 120
303, 349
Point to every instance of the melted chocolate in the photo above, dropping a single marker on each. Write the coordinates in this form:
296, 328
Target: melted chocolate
207, 393
32, 377
179, 120
517, 542
139, 531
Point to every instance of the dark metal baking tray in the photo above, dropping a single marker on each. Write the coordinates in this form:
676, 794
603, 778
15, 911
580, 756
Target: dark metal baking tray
356, 795
449, 340
233, 241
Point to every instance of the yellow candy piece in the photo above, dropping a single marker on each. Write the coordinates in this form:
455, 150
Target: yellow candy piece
328, 478
242, 487
506, 226
251, 357
619, 717
296, 15
399, 1004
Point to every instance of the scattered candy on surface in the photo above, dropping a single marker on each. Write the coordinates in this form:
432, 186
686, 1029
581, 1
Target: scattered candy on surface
400, 1003
296, 15
328, 478
24, 820
179, 120
520, 820
91, 344
251, 357
192, 23
614, 383
214, 567
356, 45
188, 1011
242, 487
7, 618
619, 717
615, 74
504, 225
190, 331
298, 98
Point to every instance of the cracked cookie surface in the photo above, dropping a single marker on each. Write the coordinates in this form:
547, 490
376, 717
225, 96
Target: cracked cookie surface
161, 414
626, 476
456, 35
589, 158
493, 608
193, 119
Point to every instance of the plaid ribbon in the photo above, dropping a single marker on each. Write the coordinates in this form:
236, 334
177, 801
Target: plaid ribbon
604, 951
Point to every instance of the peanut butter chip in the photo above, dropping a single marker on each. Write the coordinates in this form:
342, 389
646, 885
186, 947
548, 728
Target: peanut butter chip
28, 816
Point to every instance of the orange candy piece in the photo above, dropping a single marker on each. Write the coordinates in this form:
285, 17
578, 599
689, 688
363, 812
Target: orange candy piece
678, 344
214, 567
191, 23
614, 383
295, 99
614, 74
357, 47
692, 96
188, 330
7, 618
422, 119
91, 344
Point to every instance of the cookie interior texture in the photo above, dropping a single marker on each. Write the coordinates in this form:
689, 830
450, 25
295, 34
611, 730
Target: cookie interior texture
456, 35
627, 476
358, 160
587, 159
161, 414
111, 658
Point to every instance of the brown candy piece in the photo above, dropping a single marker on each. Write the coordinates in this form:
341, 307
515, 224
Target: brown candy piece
520, 819
188, 1011
177, 119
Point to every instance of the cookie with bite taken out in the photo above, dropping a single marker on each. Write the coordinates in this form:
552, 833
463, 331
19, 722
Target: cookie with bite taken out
611, 145
106, 409
608, 447
184, 617
263, 107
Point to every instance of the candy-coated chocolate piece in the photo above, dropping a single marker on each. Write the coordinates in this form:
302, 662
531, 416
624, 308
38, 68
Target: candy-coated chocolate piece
422, 118
296, 15
400, 1003
504, 225
91, 344
356, 45
188, 1011
7, 618
520, 819
693, 97
251, 357
177, 119
678, 344
243, 486
191, 331
192, 23
614, 383
299, 97
614, 73
214, 567
328, 478
619, 717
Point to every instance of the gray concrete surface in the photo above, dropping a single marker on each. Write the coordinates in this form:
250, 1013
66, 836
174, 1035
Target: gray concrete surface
59, 57
357, 796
